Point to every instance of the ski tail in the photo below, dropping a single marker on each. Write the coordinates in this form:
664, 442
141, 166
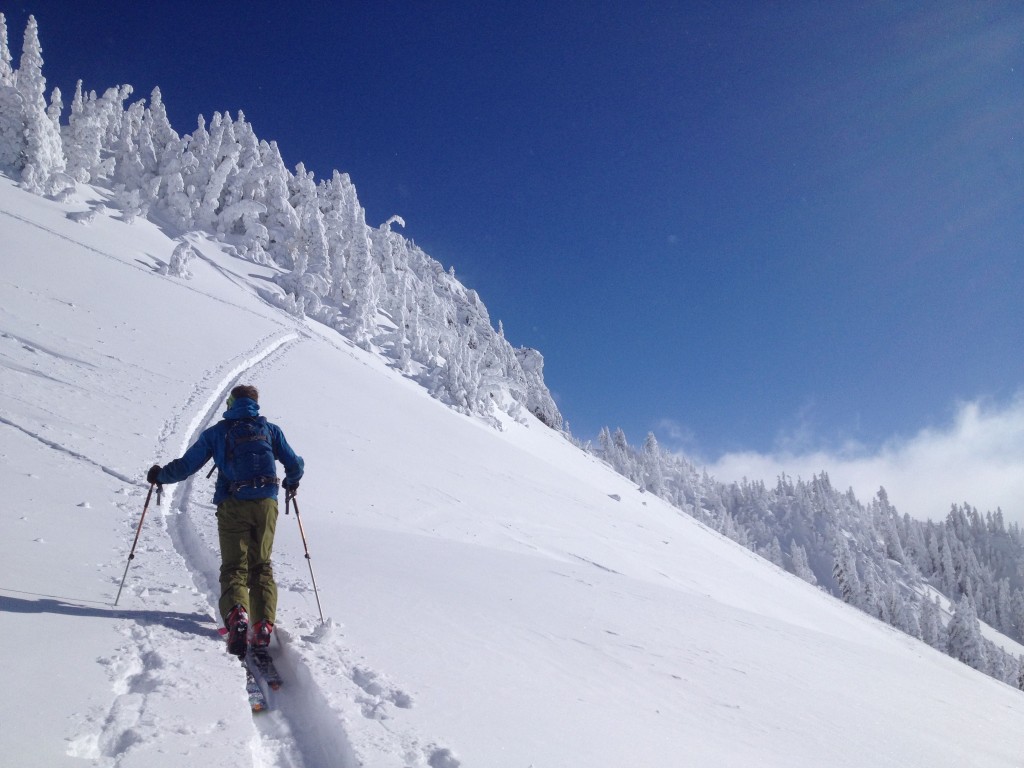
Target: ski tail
257, 699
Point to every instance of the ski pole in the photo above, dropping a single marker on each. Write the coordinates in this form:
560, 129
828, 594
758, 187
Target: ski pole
290, 498
131, 555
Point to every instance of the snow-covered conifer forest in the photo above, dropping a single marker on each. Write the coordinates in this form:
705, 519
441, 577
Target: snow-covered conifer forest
222, 179
936, 581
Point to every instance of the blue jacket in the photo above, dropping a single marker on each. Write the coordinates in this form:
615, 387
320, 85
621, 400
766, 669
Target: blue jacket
213, 442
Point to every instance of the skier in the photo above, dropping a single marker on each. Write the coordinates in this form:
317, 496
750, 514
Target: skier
244, 447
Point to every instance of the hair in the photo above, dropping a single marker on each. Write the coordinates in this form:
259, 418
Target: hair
246, 390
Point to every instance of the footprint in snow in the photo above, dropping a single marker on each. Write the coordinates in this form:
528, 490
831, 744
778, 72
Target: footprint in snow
370, 683
442, 758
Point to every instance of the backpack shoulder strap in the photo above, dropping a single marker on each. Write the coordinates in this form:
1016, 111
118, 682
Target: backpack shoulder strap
257, 431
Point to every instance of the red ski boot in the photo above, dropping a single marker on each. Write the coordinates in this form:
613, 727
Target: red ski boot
238, 631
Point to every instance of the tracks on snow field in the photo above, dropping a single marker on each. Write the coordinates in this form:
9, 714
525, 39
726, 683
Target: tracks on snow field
67, 451
175, 690
332, 712
328, 701
295, 733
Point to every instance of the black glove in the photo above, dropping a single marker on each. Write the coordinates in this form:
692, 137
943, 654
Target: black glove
290, 488
153, 474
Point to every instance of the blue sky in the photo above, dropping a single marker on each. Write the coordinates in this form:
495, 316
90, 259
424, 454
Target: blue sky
749, 227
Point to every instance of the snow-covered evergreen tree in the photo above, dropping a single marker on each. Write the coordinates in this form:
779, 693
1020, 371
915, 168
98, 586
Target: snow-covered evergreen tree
933, 631
801, 566
872, 600
965, 641
160, 130
888, 522
338, 201
281, 220
538, 399
180, 258
845, 573
82, 139
653, 480
11, 121
6, 60
41, 151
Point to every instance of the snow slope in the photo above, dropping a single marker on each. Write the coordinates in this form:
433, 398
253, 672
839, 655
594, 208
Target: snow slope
494, 598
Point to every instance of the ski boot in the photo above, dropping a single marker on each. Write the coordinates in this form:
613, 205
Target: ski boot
261, 635
238, 631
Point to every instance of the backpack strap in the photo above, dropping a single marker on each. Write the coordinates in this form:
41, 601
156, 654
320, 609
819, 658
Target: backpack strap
263, 434
256, 482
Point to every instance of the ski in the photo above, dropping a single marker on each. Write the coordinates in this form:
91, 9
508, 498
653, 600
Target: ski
257, 699
263, 664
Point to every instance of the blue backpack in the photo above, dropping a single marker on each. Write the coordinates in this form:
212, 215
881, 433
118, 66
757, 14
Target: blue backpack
249, 464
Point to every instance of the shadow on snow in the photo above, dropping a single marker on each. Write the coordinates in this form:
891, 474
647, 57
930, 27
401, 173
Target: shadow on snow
188, 623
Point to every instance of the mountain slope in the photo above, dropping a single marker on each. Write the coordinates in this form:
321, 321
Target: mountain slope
495, 598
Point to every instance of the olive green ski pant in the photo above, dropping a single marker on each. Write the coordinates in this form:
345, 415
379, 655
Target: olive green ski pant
246, 530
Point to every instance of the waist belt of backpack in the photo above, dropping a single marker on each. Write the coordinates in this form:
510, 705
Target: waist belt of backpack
258, 482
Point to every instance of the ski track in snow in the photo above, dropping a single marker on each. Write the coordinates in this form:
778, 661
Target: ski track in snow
140, 266
278, 744
308, 725
67, 451
154, 670
214, 394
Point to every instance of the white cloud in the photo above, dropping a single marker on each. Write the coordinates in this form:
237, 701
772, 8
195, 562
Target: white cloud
978, 458
677, 433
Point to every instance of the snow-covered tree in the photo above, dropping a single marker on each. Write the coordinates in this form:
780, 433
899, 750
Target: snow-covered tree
539, 401
159, 126
42, 153
801, 566
933, 631
901, 613
83, 137
965, 641
872, 599
845, 573
651, 461
281, 220
180, 258
362, 277
6, 60
889, 523
12, 124
312, 240
338, 204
